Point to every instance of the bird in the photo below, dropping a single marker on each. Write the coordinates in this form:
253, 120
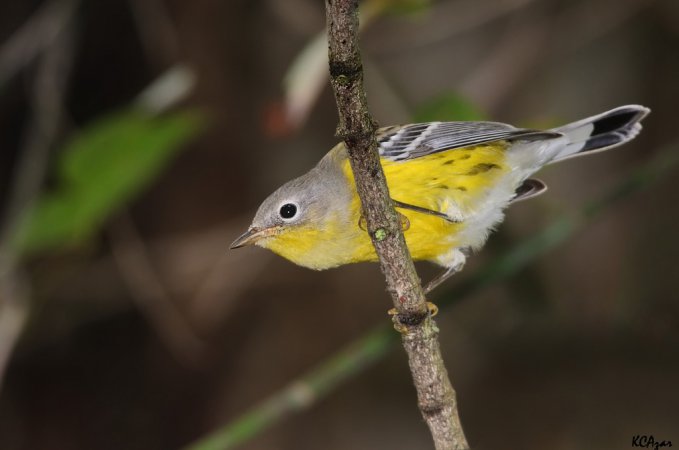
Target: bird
450, 183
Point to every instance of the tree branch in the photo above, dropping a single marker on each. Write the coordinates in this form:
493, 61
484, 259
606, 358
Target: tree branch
356, 128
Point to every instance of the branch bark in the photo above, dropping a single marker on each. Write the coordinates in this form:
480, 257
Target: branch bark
436, 397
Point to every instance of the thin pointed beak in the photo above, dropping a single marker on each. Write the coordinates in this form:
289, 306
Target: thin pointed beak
247, 238
251, 237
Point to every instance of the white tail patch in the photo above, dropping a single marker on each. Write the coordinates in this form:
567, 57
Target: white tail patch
602, 132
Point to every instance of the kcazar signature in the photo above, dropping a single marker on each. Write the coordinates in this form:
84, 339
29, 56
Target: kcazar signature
648, 441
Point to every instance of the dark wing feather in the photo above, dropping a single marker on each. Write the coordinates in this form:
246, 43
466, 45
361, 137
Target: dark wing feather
421, 139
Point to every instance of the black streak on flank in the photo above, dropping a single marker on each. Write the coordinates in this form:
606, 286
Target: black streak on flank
461, 188
449, 162
466, 156
482, 168
443, 186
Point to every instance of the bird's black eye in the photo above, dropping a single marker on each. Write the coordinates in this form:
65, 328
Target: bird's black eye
288, 211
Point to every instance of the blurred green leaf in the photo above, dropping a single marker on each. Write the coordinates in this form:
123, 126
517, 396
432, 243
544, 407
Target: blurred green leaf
103, 167
447, 106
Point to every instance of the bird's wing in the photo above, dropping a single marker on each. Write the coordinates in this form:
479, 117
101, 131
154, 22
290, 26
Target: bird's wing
400, 143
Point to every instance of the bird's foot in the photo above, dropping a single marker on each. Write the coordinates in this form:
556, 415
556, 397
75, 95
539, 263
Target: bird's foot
402, 322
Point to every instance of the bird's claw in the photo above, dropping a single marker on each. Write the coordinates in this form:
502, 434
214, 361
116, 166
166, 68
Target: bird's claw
402, 326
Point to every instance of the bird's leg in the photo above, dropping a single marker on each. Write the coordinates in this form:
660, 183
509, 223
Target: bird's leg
455, 265
431, 212
454, 262
440, 278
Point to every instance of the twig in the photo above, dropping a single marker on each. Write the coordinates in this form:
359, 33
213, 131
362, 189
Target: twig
14, 307
47, 102
303, 392
131, 256
375, 345
356, 128
34, 37
157, 32
130, 251
49, 88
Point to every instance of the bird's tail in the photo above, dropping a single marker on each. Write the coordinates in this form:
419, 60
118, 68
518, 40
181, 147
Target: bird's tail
601, 132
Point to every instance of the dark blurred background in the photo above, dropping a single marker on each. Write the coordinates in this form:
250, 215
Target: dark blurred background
138, 138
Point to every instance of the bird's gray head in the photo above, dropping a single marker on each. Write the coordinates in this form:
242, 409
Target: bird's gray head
298, 208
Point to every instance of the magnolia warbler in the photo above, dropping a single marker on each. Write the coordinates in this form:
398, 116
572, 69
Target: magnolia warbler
450, 182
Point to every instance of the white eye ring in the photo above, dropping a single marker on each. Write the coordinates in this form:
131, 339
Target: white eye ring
288, 211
